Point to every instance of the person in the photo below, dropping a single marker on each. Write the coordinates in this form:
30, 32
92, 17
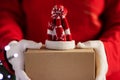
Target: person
93, 23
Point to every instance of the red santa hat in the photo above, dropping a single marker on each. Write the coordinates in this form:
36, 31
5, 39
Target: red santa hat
59, 35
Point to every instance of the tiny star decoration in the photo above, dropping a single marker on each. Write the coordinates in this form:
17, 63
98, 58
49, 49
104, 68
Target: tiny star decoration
58, 32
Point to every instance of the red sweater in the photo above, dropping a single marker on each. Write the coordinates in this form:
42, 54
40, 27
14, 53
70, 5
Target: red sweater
88, 19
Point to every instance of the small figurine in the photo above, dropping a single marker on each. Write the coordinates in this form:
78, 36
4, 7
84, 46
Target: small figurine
59, 35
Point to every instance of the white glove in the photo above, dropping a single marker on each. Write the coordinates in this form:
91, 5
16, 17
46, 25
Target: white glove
100, 56
15, 55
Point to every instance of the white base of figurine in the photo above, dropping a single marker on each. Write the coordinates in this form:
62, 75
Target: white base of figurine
60, 45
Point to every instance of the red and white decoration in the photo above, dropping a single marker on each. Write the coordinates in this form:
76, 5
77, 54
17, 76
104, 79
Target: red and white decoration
59, 35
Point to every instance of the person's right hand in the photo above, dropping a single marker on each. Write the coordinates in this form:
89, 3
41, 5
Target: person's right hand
15, 55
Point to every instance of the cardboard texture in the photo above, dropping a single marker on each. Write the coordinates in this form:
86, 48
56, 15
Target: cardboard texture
76, 64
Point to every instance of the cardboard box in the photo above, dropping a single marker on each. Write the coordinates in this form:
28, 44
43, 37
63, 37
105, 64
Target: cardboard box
76, 64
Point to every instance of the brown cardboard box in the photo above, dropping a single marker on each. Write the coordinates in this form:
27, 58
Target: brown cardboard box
76, 64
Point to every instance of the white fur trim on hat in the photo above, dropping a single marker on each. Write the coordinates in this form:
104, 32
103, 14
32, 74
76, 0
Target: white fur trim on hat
60, 44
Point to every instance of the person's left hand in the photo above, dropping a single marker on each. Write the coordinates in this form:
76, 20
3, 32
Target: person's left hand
100, 57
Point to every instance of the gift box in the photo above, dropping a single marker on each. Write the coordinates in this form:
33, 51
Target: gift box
73, 64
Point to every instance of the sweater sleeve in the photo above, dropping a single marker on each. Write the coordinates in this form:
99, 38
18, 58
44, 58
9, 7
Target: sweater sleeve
10, 21
111, 34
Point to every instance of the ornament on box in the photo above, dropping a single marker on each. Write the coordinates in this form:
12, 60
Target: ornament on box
59, 35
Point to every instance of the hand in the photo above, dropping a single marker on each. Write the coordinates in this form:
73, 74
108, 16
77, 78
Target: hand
15, 55
100, 56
